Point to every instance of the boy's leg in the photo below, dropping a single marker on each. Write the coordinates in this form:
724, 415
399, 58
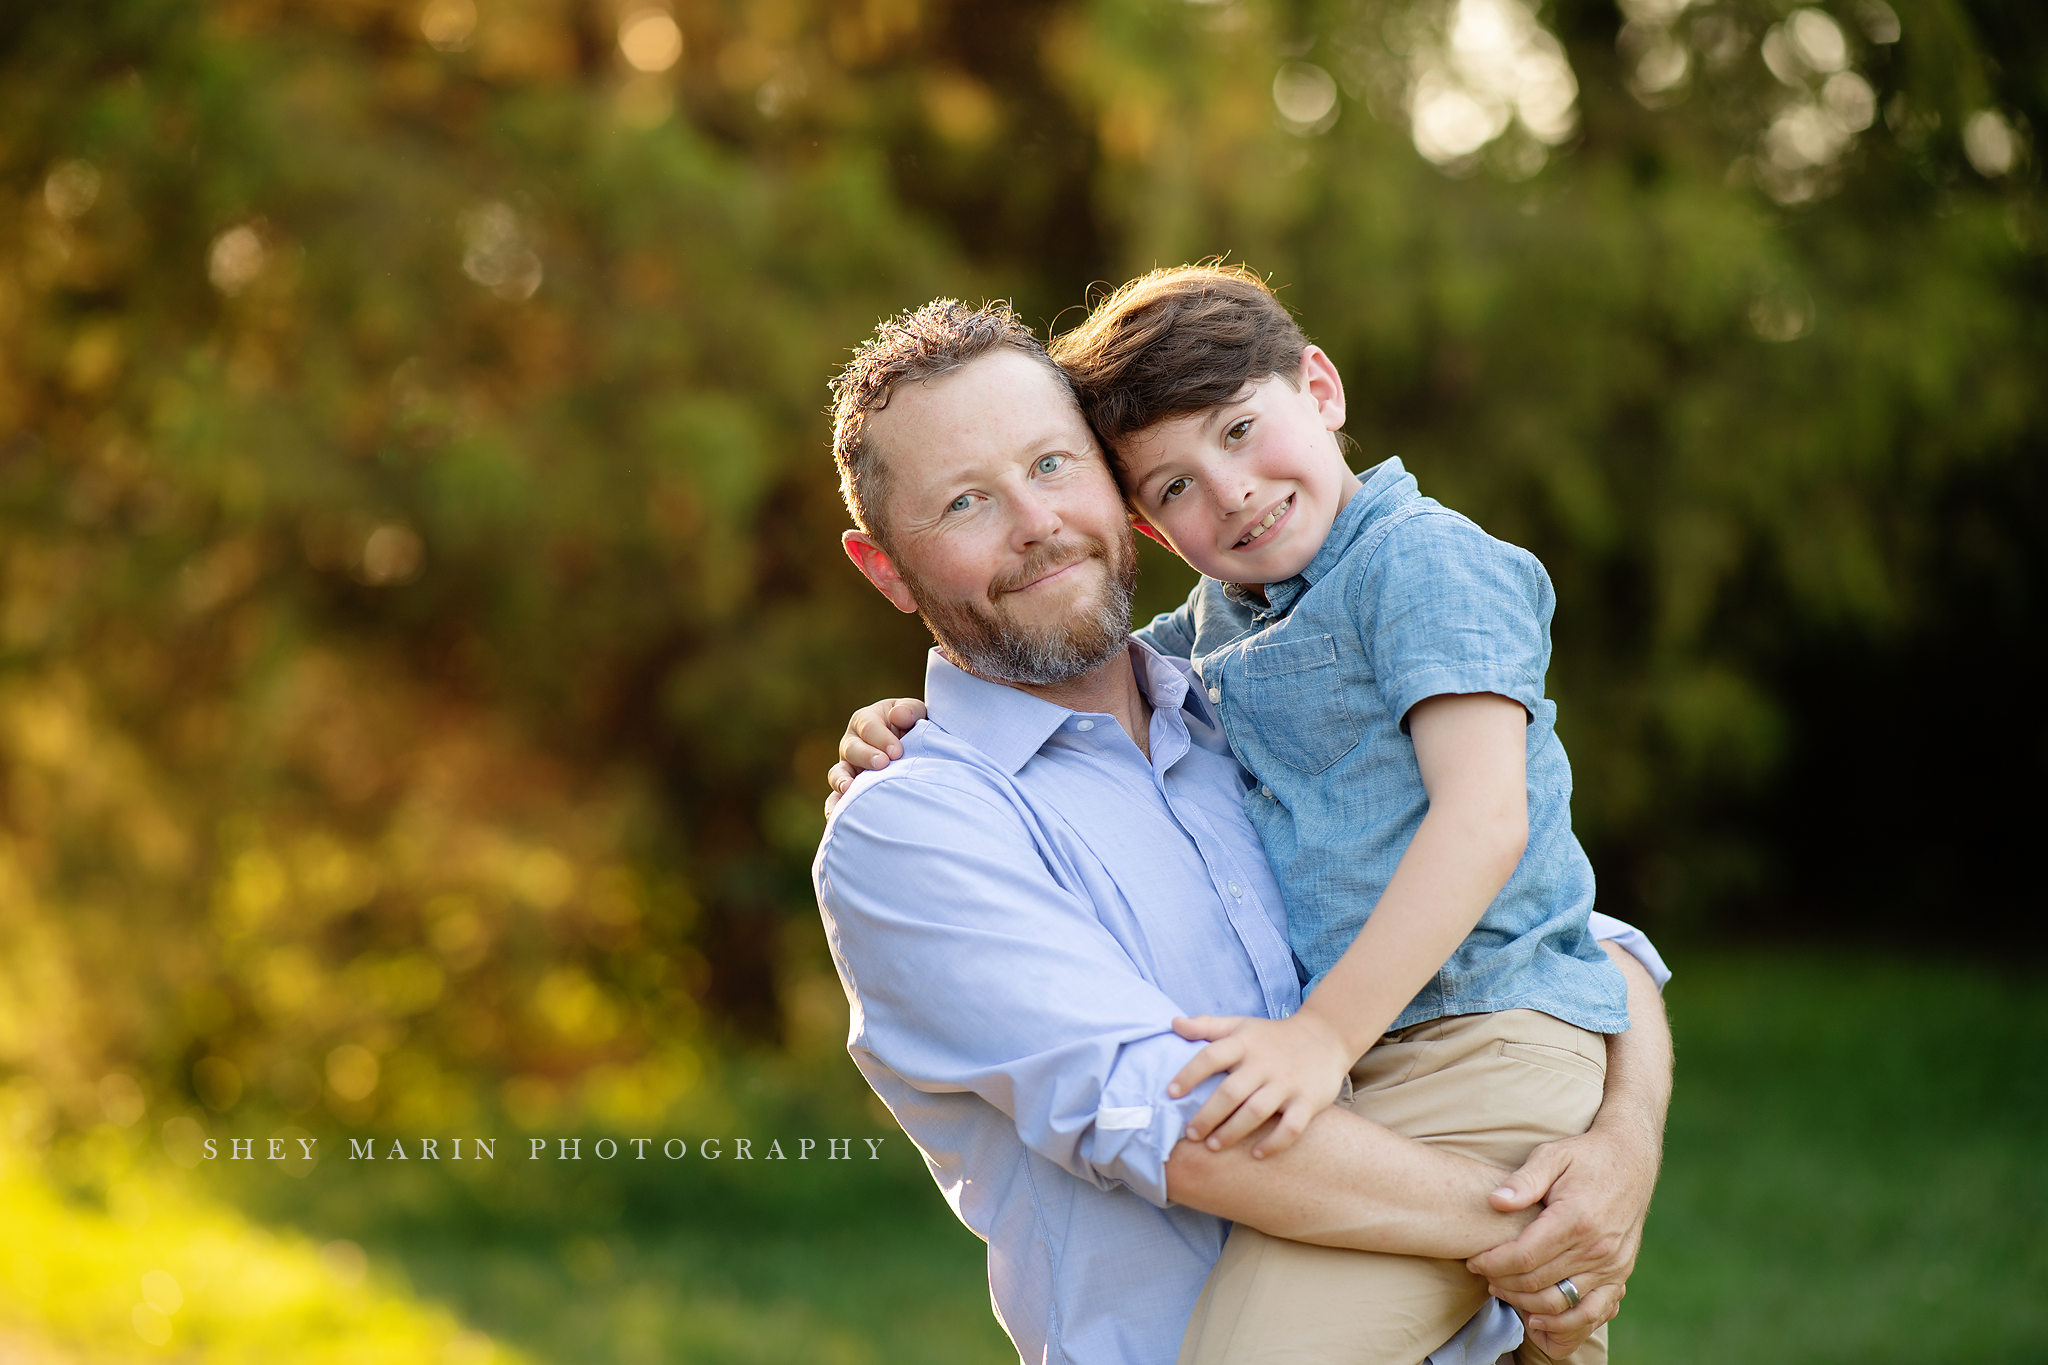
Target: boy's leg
1491, 1087
1488, 1086
1270, 1301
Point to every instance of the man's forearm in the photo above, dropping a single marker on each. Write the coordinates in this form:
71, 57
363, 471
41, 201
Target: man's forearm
1348, 1182
1638, 1089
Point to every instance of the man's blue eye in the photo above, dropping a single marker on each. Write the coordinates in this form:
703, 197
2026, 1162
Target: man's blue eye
1048, 464
959, 504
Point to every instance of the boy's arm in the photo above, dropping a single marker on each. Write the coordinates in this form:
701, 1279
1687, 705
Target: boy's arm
1472, 750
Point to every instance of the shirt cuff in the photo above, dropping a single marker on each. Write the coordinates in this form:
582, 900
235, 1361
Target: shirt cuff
1404, 692
1632, 941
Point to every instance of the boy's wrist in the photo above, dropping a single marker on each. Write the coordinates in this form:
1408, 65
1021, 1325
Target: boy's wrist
1349, 1037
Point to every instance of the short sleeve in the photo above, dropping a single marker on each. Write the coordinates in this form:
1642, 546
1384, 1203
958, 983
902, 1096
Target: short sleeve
1445, 608
1171, 634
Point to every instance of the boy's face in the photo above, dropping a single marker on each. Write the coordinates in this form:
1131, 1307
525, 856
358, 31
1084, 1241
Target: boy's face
1246, 491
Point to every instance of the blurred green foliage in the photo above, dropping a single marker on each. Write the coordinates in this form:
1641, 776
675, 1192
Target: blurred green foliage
421, 635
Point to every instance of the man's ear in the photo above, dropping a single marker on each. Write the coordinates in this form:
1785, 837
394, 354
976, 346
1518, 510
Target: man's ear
1144, 528
1320, 381
876, 566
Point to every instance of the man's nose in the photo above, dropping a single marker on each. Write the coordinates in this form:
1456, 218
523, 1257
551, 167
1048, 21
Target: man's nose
1035, 519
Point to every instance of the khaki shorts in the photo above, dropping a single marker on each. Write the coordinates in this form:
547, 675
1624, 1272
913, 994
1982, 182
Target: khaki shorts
1487, 1086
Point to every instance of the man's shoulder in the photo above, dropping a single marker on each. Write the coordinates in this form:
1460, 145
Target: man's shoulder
939, 774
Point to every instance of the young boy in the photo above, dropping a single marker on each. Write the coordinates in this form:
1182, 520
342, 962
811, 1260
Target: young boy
1377, 663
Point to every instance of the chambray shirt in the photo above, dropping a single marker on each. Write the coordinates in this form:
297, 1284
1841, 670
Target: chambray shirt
1406, 600
1018, 908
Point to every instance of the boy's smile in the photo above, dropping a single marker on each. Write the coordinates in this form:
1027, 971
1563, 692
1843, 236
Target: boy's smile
1246, 491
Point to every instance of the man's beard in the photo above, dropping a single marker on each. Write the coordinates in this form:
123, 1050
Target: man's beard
995, 645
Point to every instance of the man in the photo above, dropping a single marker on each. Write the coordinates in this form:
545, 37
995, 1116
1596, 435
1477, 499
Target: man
1061, 865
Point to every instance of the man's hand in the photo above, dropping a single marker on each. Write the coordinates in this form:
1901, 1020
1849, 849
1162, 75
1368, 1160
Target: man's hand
1595, 1187
870, 742
1596, 1191
1290, 1067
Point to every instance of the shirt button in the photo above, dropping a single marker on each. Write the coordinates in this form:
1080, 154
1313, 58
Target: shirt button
1215, 694
1237, 890
1266, 792
1084, 725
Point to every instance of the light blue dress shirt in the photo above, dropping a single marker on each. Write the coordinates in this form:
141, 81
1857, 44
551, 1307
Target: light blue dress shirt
1018, 909
1405, 600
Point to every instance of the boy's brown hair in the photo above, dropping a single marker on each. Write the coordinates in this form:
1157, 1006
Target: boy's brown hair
1177, 341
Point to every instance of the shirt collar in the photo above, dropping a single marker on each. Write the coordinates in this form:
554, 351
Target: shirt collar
1382, 488
1009, 725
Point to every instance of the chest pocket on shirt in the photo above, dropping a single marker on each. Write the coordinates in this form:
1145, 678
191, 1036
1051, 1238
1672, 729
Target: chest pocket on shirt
1296, 697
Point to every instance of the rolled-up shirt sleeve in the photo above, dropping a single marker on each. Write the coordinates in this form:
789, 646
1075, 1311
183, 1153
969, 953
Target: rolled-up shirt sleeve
1632, 941
972, 963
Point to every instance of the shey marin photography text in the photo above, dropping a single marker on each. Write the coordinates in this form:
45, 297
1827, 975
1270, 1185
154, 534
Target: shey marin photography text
299, 1149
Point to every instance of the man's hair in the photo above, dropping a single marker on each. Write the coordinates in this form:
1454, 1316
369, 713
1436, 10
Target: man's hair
911, 347
1174, 342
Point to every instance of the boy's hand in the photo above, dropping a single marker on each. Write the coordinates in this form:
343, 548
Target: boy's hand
1291, 1067
870, 742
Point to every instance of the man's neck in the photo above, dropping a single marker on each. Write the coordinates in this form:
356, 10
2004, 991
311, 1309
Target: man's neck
1110, 688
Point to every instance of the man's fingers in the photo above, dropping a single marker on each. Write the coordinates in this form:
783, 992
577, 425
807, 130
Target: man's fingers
1578, 1252
1555, 1231
1562, 1333
1533, 1180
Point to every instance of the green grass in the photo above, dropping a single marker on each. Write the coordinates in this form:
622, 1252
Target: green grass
1854, 1173
1855, 1169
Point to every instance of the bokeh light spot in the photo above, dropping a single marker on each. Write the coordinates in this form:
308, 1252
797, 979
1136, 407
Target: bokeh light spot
151, 1324
1990, 143
218, 1083
345, 1261
352, 1072
160, 1290
184, 1141
71, 189
650, 41
235, 260
497, 252
392, 555
121, 1099
1306, 96
447, 24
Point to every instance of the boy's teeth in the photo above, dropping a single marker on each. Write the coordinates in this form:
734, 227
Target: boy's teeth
1265, 525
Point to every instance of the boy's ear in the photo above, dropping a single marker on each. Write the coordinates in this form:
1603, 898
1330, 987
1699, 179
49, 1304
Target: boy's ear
1144, 529
1320, 381
876, 566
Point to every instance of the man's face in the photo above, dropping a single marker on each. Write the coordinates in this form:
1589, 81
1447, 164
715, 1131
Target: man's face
1008, 532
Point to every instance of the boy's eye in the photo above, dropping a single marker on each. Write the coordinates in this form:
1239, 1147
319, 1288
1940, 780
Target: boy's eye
1047, 464
1174, 489
1238, 431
